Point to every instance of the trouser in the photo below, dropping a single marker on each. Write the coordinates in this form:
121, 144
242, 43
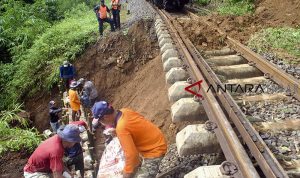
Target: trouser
116, 18
149, 168
36, 175
108, 20
66, 84
54, 126
77, 161
76, 115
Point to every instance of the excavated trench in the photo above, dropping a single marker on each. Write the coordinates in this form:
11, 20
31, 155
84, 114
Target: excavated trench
127, 72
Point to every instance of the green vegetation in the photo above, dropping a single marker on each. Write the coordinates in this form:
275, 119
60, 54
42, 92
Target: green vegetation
39, 47
36, 36
229, 7
14, 138
203, 2
236, 7
277, 40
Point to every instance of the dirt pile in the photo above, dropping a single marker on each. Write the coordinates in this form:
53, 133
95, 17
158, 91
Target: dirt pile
268, 13
278, 13
201, 35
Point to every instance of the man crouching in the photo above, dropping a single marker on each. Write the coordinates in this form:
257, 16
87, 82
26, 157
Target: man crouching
137, 136
47, 159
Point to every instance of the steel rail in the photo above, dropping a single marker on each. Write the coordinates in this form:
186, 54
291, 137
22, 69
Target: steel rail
271, 70
264, 157
229, 142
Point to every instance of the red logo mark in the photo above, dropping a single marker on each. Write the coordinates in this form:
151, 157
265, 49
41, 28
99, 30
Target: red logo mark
188, 88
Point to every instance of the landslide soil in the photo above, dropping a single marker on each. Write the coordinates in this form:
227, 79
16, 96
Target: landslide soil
127, 71
268, 13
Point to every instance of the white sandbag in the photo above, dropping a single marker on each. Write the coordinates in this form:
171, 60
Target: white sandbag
112, 161
87, 162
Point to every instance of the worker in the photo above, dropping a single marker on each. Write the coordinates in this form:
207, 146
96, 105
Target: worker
90, 90
67, 74
54, 115
115, 8
103, 15
74, 155
74, 101
46, 161
137, 136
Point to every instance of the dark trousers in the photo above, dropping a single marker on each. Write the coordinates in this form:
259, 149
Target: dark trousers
76, 115
66, 84
108, 20
116, 18
77, 161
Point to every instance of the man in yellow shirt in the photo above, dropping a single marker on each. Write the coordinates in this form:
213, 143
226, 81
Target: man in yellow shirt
74, 101
137, 135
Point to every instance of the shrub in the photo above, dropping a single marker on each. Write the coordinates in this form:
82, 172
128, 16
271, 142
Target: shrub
236, 7
16, 139
37, 68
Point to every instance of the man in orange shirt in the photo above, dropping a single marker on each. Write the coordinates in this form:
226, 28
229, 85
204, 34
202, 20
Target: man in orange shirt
137, 135
74, 101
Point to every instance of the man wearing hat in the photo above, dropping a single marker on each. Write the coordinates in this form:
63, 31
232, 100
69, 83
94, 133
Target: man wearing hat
137, 135
46, 161
74, 101
67, 73
90, 90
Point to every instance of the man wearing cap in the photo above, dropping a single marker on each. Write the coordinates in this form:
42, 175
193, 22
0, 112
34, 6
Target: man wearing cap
67, 73
74, 101
90, 90
46, 161
137, 136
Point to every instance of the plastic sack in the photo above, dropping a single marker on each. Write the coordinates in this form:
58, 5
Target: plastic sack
112, 161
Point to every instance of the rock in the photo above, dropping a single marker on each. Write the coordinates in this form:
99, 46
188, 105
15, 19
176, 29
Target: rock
195, 139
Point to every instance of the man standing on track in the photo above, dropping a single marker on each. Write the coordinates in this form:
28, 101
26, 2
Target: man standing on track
115, 8
103, 15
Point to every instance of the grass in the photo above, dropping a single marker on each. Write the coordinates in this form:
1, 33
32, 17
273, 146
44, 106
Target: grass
277, 40
202, 2
14, 138
236, 8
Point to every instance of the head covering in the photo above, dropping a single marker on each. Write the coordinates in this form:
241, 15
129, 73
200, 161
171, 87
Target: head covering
51, 103
74, 84
81, 128
102, 108
66, 63
69, 133
81, 81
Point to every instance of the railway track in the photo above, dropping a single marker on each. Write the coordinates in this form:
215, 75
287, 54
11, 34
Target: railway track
247, 155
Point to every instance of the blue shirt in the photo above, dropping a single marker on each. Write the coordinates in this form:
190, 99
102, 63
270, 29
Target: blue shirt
67, 72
